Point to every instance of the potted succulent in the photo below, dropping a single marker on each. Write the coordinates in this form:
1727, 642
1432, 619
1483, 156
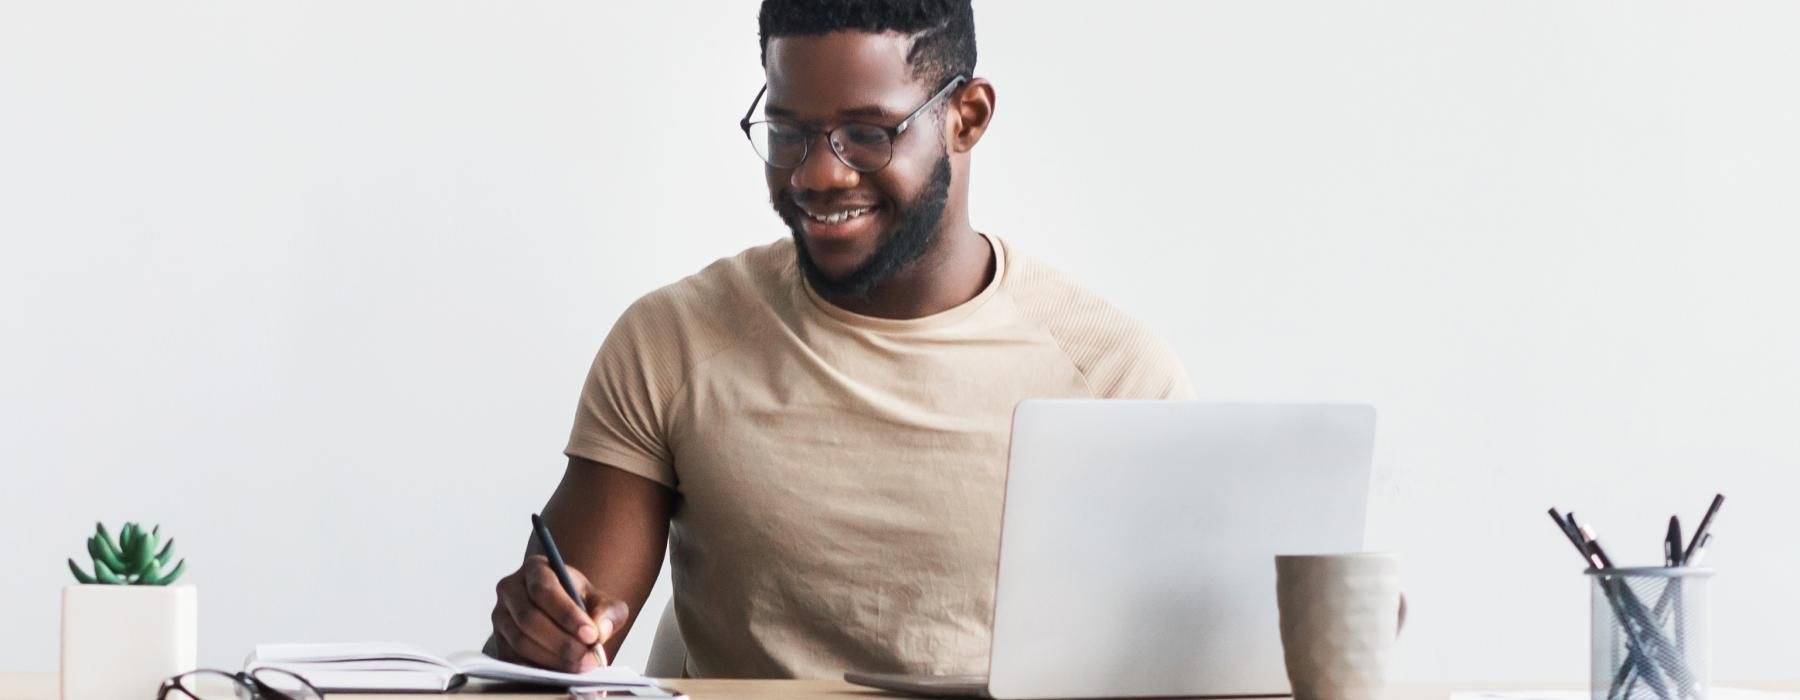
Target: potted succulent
125, 628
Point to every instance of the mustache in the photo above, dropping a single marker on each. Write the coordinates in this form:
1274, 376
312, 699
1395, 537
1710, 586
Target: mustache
798, 199
789, 213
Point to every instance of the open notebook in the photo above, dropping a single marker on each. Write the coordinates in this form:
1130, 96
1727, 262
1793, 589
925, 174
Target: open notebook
389, 667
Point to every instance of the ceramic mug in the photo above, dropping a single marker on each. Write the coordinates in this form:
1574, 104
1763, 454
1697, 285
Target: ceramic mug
1340, 617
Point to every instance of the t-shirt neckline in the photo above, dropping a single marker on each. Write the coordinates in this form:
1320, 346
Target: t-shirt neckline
937, 320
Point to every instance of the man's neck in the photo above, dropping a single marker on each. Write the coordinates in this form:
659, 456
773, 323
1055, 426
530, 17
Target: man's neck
958, 266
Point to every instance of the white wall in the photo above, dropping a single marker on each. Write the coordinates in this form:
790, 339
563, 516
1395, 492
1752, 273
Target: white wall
314, 285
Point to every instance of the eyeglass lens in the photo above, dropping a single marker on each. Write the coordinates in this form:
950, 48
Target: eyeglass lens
863, 147
263, 684
284, 685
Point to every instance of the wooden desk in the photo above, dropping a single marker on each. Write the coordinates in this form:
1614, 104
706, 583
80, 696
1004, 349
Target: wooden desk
42, 686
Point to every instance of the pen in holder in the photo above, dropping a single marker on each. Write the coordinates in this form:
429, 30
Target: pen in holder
1651, 637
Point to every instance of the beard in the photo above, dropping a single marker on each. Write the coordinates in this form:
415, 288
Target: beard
915, 227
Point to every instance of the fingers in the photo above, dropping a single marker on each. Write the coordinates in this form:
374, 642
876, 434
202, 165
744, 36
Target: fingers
526, 620
609, 615
536, 622
515, 646
547, 594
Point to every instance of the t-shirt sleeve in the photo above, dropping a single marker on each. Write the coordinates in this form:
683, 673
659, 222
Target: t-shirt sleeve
621, 419
1146, 368
1118, 356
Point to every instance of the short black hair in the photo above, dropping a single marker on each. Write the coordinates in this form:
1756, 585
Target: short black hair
943, 31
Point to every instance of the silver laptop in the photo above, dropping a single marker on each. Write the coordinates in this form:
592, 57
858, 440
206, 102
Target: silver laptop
1138, 539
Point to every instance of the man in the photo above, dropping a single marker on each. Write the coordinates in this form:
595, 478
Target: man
818, 428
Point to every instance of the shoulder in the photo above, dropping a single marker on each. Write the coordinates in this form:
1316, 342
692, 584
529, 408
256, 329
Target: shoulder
1120, 356
716, 305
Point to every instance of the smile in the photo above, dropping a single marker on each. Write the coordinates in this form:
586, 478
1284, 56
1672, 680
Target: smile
839, 217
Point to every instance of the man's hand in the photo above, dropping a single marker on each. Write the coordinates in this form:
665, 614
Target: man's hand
536, 623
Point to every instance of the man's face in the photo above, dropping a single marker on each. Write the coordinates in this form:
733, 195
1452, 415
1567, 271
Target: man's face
825, 81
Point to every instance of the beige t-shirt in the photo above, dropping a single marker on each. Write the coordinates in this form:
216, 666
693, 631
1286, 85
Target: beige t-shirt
840, 475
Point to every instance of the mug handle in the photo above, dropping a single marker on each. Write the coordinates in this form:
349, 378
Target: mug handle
1402, 626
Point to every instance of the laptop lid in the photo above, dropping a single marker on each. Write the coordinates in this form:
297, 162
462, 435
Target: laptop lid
1138, 540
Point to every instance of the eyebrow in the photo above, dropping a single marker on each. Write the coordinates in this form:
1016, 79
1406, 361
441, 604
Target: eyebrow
864, 111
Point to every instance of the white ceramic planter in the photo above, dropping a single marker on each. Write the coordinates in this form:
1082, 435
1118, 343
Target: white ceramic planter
122, 641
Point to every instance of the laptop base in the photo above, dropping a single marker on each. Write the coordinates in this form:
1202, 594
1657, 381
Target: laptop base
969, 686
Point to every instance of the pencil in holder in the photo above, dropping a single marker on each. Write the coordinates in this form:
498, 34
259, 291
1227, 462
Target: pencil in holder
1651, 634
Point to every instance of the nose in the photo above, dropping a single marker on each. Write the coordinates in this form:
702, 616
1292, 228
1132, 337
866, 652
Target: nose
823, 170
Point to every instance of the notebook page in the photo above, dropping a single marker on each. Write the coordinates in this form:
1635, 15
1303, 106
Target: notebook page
479, 665
329, 679
347, 651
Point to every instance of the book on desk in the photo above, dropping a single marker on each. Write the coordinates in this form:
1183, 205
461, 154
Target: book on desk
395, 667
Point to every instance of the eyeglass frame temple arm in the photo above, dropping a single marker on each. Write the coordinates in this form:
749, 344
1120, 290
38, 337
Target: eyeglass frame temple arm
894, 131
745, 122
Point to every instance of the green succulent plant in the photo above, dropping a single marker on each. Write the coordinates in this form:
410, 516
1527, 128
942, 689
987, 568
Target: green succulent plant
132, 560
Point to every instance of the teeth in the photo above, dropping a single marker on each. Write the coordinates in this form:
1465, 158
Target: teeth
839, 217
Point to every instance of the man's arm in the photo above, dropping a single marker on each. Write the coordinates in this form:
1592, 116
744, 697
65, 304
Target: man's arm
611, 528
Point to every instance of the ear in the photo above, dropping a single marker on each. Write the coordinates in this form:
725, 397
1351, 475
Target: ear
971, 110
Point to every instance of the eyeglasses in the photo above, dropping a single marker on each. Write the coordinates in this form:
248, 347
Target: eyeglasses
864, 147
259, 684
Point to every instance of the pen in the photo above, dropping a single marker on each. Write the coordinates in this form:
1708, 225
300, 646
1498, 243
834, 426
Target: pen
1673, 554
1652, 644
1637, 658
1700, 549
1641, 637
1573, 536
1593, 544
1590, 548
562, 572
1705, 524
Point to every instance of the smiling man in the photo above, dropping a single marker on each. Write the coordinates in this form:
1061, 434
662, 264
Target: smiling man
818, 427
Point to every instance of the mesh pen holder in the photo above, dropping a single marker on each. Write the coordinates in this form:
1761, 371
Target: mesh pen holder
1651, 635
